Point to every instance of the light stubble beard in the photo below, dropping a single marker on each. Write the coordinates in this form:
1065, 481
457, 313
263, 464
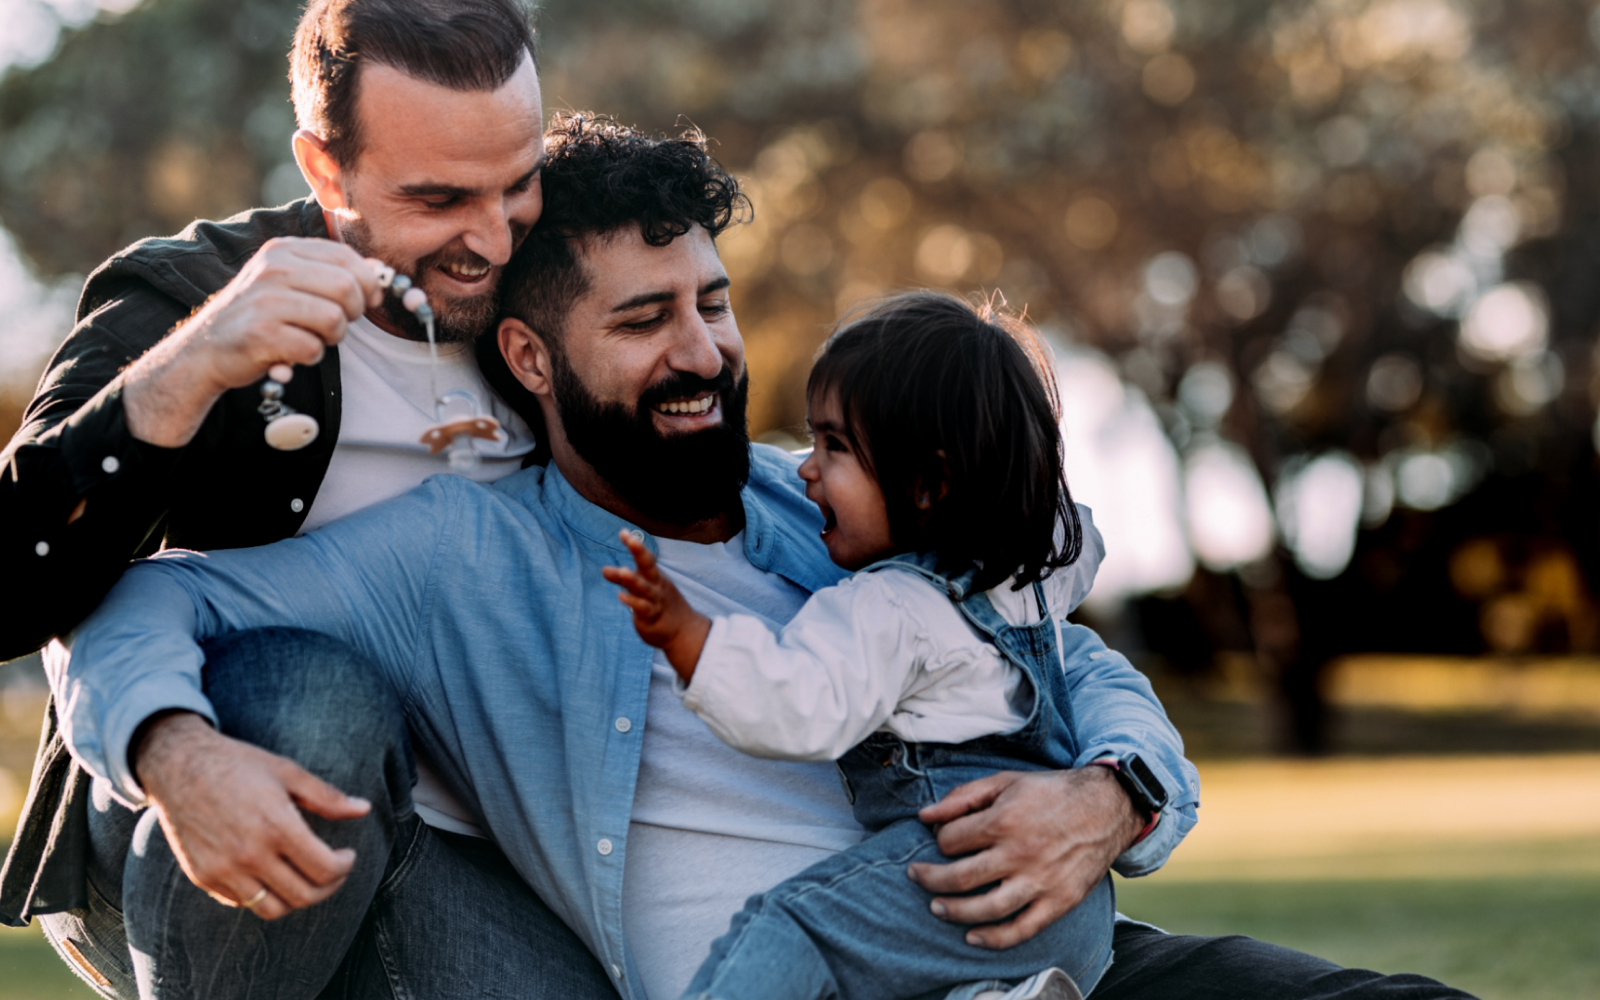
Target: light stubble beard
456, 320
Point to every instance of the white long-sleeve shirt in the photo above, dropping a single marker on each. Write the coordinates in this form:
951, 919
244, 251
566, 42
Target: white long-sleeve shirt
885, 650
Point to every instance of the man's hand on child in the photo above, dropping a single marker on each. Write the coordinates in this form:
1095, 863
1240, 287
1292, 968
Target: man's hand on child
1042, 839
661, 613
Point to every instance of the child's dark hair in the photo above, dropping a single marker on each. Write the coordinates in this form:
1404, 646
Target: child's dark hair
957, 402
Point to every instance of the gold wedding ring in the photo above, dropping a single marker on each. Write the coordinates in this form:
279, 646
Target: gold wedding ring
250, 904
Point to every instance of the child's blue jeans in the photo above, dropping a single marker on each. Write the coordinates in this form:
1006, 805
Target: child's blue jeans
856, 927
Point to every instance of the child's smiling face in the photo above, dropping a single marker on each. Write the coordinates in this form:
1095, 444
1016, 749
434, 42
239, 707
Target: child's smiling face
856, 528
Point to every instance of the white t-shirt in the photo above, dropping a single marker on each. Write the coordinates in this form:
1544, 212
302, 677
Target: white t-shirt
387, 404
712, 826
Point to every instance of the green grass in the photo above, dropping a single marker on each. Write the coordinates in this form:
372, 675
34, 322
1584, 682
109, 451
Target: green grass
1502, 939
30, 970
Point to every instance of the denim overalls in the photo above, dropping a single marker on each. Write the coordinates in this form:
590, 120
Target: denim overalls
854, 926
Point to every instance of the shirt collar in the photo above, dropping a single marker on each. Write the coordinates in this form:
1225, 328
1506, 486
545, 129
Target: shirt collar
781, 532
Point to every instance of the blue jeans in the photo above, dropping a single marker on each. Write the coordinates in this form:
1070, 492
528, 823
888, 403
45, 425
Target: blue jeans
423, 914
855, 926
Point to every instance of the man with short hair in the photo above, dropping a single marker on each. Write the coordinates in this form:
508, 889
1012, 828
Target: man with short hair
520, 675
420, 135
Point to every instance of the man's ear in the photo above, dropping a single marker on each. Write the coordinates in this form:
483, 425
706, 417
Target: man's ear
321, 171
526, 355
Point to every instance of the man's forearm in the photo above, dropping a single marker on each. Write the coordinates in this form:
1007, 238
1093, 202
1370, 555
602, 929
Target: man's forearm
162, 743
168, 393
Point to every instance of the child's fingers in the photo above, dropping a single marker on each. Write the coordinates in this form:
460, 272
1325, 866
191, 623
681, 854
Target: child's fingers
643, 607
642, 556
628, 579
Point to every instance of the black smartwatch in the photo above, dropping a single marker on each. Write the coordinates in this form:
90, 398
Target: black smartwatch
1141, 784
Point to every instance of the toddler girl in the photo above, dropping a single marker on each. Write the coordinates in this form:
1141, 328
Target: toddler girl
937, 471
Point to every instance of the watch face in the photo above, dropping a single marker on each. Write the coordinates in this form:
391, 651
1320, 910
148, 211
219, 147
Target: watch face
1146, 777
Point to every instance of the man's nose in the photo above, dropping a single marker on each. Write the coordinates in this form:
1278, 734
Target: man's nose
489, 232
695, 348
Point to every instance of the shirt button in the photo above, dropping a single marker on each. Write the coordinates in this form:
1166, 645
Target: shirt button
42, 549
297, 505
623, 725
604, 847
110, 464
615, 971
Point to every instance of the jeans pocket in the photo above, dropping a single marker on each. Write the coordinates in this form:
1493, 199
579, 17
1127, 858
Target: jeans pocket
414, 834
94, 944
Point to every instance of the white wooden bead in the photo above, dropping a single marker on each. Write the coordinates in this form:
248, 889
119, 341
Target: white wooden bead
292, 431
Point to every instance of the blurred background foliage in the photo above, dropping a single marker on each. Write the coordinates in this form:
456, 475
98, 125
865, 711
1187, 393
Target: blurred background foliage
1319, 272
1320, 278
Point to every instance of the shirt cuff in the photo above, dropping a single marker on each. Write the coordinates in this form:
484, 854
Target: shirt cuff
694, 692
100, 450
135, 708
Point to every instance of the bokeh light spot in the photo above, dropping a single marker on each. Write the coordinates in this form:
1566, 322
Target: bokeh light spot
1506, 322
1091, 223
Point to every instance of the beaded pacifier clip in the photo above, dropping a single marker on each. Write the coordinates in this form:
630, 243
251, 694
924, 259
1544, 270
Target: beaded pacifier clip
457, 412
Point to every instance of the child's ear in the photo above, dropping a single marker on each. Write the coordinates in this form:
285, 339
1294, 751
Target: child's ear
929, 490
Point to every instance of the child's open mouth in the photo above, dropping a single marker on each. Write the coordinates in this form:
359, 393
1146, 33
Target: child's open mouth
829, 522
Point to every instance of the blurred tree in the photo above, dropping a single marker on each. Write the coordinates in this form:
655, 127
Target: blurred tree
1334, 236
143, 122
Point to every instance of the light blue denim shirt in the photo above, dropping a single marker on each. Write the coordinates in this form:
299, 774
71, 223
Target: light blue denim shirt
485, 606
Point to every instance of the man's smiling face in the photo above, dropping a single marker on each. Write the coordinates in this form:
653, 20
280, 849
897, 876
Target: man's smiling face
644, 389
652, 317
445, 185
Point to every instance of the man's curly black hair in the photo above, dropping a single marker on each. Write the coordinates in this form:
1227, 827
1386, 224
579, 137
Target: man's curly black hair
599, 177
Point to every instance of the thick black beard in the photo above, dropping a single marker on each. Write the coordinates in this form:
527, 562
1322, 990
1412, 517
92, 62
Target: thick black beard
679, 479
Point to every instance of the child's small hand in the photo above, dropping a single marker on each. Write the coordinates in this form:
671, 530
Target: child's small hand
661, 613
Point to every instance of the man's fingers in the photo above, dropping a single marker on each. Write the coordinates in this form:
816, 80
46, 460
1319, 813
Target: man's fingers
271, 908
314, 795
323, 318
294, 345
968, 798
965, 875
998, 903
340, 285
304, 867
969, 834
293, 887
1015, 931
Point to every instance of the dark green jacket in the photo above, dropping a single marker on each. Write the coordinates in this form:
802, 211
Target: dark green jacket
225, 489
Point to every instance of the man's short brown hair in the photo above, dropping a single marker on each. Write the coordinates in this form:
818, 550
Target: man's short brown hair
461, 44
